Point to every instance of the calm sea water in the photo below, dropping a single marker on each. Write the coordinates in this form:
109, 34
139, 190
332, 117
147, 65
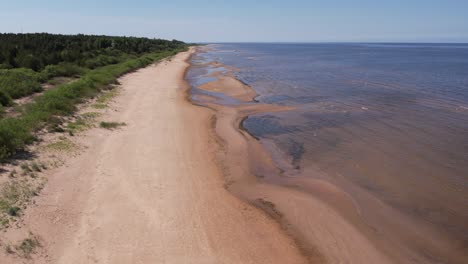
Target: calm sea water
389, 119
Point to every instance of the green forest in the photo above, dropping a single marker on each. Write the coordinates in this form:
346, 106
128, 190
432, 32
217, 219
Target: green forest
30, 62
36, 51
26, 60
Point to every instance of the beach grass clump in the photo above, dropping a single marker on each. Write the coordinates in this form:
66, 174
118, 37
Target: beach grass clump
13, 210
104, 99
99, 106
83, 122
13, 195
79, 125
25, 248
25, 167
62, 145
28, 246
36, 167
9, 249
4, 208
90, 115
15, 192
111, 125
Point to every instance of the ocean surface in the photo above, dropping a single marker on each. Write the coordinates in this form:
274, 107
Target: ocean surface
390, 120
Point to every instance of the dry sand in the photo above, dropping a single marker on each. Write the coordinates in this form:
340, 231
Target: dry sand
151, 192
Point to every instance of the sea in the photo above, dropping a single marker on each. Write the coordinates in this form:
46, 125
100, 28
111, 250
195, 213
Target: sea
387, 119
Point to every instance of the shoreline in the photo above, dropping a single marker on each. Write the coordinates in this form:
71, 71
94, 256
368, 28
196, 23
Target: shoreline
184, 181
251, 174
340, 224
150, 191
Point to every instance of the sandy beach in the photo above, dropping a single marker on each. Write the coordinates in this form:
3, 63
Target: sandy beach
247, 132
185, 183
150, 192
182, 183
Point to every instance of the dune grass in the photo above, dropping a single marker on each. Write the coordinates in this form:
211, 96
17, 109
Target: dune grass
111, 125
16, 132
28, 246
16, 83
103, 100
83, 122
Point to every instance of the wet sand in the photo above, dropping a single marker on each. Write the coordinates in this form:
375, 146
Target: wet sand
319, 231
327, 223
236, 89
150, 192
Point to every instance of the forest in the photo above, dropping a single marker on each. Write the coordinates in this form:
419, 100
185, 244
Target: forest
71, 67
36, 51
27, 60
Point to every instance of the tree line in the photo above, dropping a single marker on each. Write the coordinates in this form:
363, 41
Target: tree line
27, 60
93, 62
37, 50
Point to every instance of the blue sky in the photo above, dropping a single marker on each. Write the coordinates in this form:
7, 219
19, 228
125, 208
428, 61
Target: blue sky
242, 20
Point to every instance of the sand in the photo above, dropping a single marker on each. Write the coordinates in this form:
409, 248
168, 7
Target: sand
322, 234
182, 183
230, 86
152, 191
327, 224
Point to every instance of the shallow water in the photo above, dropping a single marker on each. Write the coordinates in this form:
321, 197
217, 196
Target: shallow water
387, 119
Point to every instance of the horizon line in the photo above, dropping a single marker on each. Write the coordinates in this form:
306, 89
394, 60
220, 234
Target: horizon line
257, 42
325, 42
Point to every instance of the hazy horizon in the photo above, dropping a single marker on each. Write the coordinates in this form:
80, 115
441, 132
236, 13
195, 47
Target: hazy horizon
295, 21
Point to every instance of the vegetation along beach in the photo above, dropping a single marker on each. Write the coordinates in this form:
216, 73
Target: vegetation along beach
234, 132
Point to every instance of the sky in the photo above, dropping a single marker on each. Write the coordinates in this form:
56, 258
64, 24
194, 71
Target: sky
245, 20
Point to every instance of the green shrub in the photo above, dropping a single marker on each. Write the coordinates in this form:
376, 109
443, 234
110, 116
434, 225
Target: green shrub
13, 211
62, 69
20, 82
14, 134
5, 99
4, 66
101, 60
